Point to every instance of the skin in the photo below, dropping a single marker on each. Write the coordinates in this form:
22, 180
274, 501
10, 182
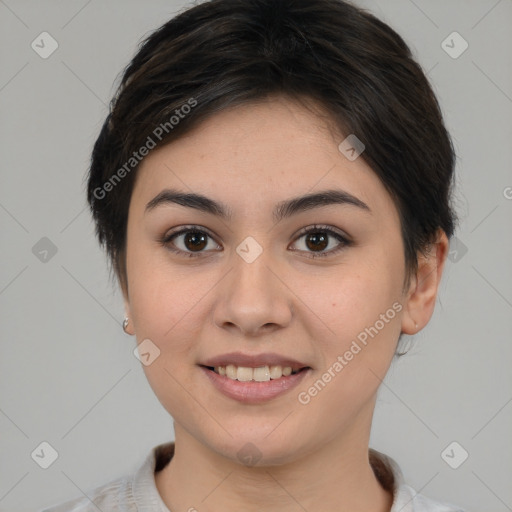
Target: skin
250, 158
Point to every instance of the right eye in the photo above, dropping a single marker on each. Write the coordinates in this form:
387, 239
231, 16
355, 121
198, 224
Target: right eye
192, 241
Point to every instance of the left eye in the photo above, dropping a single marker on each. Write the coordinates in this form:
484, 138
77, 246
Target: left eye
317, 240
194, 241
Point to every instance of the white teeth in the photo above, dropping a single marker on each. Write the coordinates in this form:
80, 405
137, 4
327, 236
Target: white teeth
244, 374
231, 371
276, 372
261, 374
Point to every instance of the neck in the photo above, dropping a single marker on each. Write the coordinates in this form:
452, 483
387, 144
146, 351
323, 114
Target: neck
338, 471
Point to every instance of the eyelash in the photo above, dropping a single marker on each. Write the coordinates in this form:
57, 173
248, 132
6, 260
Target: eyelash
344, 241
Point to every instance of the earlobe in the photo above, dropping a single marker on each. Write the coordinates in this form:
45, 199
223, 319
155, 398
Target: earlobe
421, 296
127, 326
127, 322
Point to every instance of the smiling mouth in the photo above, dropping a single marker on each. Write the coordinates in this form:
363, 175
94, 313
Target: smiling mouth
258, 374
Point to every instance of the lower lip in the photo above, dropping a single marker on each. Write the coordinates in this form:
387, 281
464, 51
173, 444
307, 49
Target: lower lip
252, 392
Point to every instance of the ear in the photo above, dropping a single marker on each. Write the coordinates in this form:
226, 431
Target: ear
422, 293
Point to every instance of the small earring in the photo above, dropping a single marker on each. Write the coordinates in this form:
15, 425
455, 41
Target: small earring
125, 325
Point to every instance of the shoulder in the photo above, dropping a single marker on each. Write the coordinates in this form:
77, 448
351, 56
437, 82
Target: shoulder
131, 492
405, 498
108, 496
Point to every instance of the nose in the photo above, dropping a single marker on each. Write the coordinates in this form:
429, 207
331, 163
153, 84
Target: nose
254, 298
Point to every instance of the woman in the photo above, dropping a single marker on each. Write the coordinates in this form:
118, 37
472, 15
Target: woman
267, 190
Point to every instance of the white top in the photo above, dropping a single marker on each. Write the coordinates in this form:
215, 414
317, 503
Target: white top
137, 492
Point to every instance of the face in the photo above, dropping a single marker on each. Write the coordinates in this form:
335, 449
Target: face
312, 285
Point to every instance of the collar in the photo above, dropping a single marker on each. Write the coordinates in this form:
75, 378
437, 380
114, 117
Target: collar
387, 471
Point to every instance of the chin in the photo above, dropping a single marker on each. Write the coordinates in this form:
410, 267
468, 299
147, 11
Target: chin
256, 450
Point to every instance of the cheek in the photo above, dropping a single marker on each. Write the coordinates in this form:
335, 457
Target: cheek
161, 295
355, 298
364, 325
361, 311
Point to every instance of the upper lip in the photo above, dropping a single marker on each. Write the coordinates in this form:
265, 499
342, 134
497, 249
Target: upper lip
253, 360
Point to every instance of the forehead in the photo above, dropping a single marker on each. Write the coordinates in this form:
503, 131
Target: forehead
258, 154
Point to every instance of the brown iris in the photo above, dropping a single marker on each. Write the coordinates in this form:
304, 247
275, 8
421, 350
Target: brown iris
197, 240
319, 241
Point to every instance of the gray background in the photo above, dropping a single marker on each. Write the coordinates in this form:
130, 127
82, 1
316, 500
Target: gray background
67, 372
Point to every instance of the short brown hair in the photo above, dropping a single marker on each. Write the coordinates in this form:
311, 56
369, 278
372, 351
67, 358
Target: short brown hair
223, 53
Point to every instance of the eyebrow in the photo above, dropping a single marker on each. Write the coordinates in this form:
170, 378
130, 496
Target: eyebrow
282, 210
